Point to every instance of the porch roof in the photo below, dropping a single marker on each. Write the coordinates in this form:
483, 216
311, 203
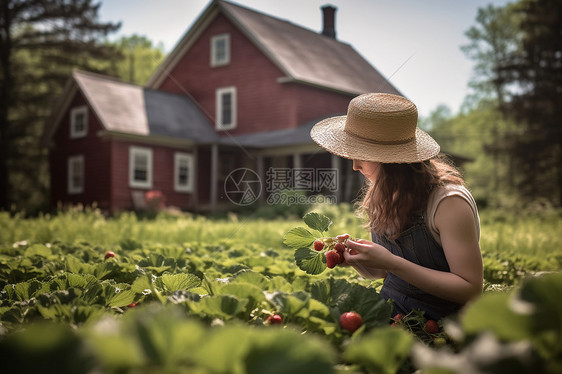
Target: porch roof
129, 108
267, 139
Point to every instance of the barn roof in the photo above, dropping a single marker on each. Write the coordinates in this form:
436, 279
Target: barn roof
303, 55
130, 109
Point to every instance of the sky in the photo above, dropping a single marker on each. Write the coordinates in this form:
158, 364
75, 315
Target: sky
413, 43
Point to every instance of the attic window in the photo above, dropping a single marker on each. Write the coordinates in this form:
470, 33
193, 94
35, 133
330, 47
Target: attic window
75, 175
220, 50
226, 108
79, 122
140, 167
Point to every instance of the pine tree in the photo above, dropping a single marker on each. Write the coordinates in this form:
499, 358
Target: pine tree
535, 74
41, 41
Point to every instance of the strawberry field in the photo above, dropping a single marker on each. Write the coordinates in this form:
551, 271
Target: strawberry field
189, 294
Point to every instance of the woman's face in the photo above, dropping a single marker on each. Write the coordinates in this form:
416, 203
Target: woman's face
369, 169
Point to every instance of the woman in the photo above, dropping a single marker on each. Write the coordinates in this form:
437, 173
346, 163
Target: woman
424, 223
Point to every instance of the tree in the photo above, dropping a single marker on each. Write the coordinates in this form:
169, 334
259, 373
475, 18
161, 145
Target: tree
140, 59
41, 41
518, 51
492, 39
534, 74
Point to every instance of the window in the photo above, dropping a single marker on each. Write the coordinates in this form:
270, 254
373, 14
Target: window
183, 172
75, 174
226, 108
220, 50
140, 167
79, 122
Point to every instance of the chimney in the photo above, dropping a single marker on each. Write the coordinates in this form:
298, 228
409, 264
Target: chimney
329, 13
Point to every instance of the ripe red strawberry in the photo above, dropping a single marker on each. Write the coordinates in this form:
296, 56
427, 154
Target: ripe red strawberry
333, 258
132, 305
431, 327
398, 318
109, 254
350, 321
318, 245
275, 319
340, 248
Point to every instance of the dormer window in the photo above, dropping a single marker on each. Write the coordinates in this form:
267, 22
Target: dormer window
220, 50
79, 122
226, 108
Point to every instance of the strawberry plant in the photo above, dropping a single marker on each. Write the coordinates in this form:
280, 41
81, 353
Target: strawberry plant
325, 252
186, 295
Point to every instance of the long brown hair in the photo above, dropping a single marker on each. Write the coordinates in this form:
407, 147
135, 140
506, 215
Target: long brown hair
402, 190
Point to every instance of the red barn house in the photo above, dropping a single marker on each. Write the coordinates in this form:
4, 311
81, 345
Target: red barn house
241, 90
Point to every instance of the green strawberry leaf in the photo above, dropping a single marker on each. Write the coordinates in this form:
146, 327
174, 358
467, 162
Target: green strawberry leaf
383, 350
298, 237
26, 290
142, 285
221, 306
288, 304
317, 221
253, 278
175, 282
492, 312
121, 298
38, 250
341, 296
310, 261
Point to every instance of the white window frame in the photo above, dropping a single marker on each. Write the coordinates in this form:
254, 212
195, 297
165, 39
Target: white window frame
71, 187
133, 151
179, 159
83, 110
220, 125
215, 40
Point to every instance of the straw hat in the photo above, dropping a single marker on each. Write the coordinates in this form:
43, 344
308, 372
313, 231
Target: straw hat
378, 127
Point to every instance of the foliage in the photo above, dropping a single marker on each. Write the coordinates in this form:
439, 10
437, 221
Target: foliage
535, 73
139, 58
170, 301
41, 42
517, 49
492, 39
469, 134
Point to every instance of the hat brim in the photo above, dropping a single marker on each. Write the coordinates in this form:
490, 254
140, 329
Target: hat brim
330, 135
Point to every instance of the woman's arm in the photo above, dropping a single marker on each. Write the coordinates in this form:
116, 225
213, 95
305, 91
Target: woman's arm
455, 222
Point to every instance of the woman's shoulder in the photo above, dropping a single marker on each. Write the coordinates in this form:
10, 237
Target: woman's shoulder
444, 191
441, 192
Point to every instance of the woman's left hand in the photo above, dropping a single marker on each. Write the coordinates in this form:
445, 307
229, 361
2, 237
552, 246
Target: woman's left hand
369, 259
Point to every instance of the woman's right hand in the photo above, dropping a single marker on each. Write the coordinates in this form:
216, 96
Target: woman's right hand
367, 258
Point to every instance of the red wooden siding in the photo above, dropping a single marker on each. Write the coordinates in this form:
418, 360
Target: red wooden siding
162, 175
96, 162
262, 102
312, 103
